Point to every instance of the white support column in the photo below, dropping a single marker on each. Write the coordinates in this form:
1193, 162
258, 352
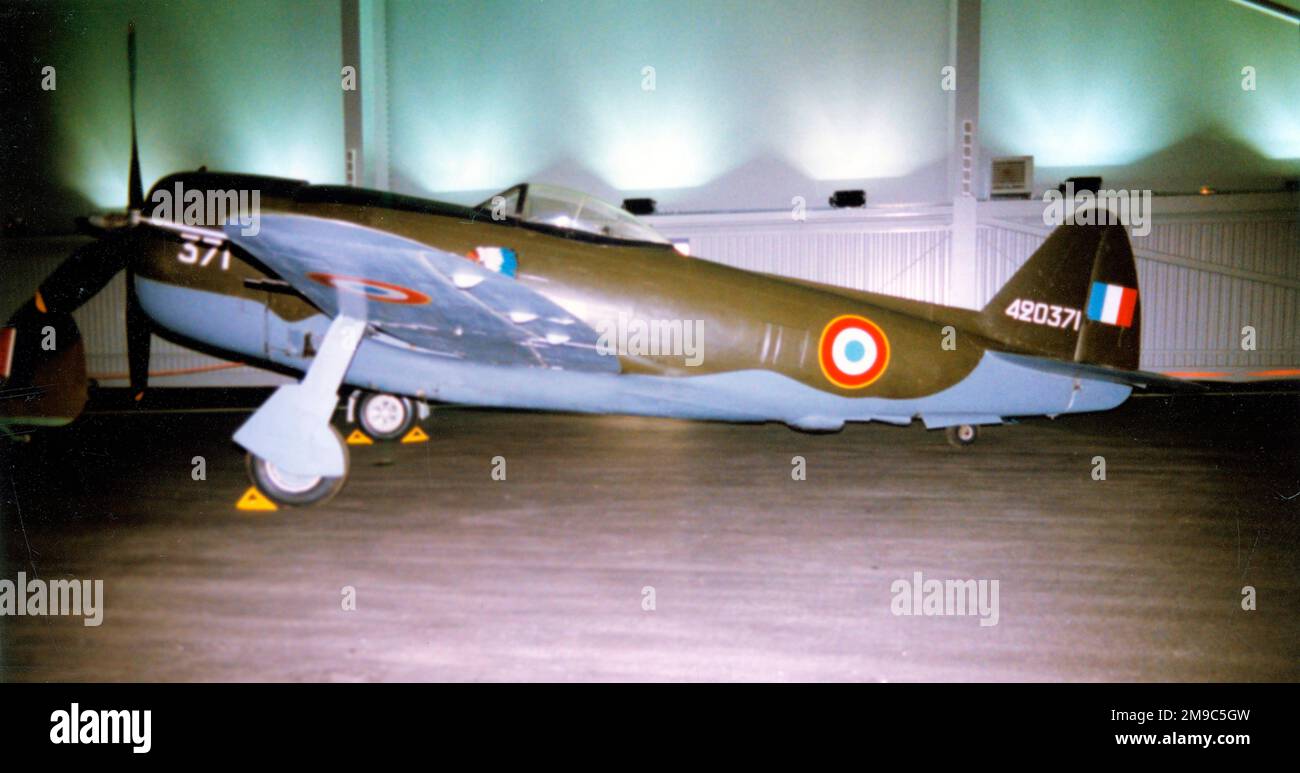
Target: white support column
365, 110
374, 101
964, 178
350, 30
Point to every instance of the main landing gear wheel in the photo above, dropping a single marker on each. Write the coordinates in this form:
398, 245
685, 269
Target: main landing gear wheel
286, 488
384, 416
962, 435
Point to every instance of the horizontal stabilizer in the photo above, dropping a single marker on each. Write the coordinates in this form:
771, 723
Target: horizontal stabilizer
1237, 375
1137, 378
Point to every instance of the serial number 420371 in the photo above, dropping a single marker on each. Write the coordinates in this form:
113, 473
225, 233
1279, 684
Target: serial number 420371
1040, 313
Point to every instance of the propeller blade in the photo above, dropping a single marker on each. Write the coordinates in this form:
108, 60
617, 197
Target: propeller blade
139, 335
85, 272
135, 197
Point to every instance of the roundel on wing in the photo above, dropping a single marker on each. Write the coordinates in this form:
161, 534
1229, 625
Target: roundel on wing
373, 289
853, 351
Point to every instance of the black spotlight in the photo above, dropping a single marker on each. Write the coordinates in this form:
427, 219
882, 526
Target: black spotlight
639, 206
844, 199
1081, 184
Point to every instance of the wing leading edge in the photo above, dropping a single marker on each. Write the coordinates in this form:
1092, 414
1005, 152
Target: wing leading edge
427, 298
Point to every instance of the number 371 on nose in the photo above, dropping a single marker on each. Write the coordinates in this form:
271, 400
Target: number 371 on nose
192, 255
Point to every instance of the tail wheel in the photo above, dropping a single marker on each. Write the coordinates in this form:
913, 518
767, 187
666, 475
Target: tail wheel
293, 490
962, 435
384, 416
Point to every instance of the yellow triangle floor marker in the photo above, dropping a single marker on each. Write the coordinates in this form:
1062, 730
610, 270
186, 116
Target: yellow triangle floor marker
359, 438
255, 500
416, 435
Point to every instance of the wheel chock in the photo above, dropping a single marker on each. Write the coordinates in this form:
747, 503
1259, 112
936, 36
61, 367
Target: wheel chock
359, 438
256, 501
416, 435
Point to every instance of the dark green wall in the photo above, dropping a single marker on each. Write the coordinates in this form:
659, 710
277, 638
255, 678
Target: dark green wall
244, 84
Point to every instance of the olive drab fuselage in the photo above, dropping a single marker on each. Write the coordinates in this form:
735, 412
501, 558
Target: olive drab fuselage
746, 320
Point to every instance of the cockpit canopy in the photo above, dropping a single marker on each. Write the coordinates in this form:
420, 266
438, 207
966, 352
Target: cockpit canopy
551, 205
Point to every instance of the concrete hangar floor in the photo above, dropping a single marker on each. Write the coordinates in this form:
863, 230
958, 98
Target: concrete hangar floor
636, 549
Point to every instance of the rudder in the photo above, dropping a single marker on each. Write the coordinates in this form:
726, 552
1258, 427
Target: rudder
1075, 299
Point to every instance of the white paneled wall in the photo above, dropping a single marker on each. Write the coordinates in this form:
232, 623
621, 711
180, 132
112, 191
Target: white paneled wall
913, 264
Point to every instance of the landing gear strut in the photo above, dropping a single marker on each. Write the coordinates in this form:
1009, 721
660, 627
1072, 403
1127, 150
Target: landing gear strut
962, 435
295, 456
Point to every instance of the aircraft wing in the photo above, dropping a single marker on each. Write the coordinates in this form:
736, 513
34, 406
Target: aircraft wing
434, 300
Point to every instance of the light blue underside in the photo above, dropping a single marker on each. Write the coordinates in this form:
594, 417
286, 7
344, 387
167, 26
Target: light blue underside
995, 389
